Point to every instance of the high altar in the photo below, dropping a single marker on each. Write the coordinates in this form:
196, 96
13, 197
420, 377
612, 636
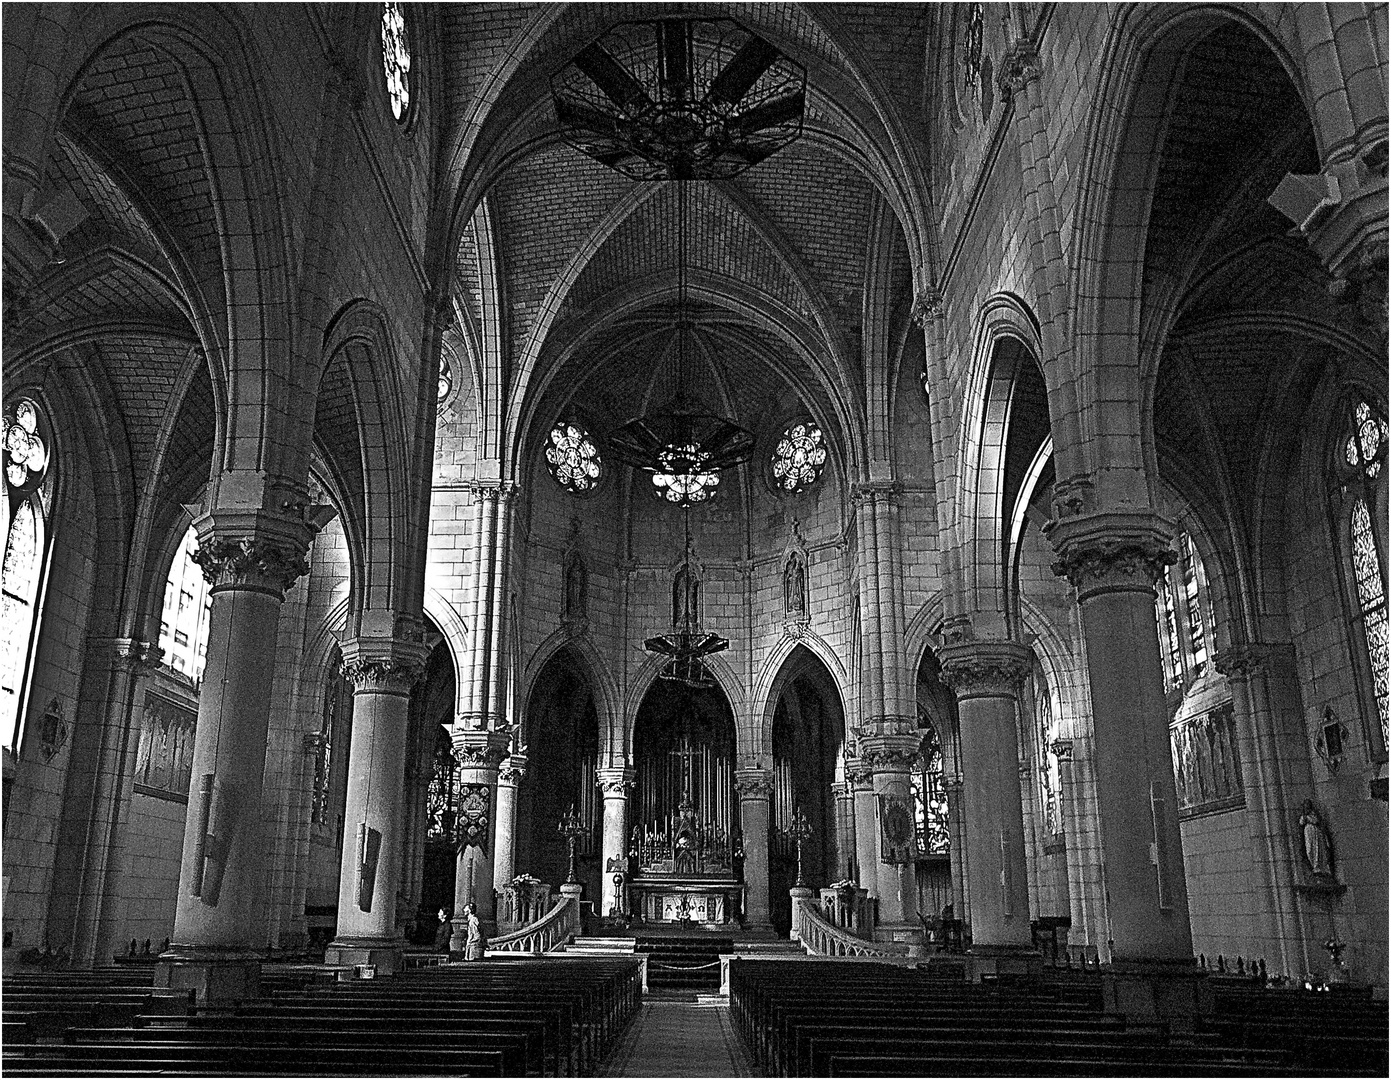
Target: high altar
683, 873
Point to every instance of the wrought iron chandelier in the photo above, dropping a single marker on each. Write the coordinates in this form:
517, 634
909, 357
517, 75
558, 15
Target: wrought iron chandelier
680, 99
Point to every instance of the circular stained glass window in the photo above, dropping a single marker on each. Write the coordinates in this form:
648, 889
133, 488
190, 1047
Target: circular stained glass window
446, 382
573, 458
799, 457
396, 59
26, 453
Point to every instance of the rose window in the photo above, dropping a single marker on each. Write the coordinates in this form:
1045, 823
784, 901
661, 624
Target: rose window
396, 59
26, 456
573, 459
799, 457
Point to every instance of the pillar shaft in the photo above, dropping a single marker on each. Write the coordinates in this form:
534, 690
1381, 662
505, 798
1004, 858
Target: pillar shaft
374, 832
479, 754
986, 677
250, 559
755, 787
1113, 560
843, 799
889, 753
866, 825
613, 786
509, 780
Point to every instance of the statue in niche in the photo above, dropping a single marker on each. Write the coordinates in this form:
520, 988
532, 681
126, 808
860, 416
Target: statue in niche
576, 587
794, 584
685, 598
1318, 845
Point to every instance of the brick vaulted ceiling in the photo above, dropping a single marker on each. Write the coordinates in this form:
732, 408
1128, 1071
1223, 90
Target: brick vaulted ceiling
575, 241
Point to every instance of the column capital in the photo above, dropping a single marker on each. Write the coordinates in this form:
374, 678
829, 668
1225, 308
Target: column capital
1062, 750
498, 491
513, 769
615, 782
975, 669
753, 784
857, 772
865, 492
383, 665
1018, 67
479, 749
928, 307
890, 753
128, 654
1244, 661
1118, 551
254, 549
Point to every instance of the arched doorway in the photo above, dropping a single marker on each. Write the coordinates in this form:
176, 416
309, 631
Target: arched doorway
808, 737
562, 737
683, 825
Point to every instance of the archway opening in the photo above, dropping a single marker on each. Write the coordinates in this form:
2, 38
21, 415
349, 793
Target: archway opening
808, 738
934, 809
433, 706
562, 734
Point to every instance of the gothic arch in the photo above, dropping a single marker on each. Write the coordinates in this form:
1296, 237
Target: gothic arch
601, 683
727, 681
782, 665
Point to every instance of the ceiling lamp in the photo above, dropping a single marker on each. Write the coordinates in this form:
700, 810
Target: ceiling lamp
680, 99
687, 646
683, 448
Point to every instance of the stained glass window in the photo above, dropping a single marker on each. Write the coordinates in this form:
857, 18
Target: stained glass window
1183, 611
183, 633
1169, 651
573, 459
1050, 778
1359, 492
27, 468
799, 457
446, 382
396, 59
929, 787
440, 795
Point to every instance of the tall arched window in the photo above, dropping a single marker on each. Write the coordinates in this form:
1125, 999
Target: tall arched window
28, 491
1183, 609
183, 625
1358, 491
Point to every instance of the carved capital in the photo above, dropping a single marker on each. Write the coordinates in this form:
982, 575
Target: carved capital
858, 772
978, 669
254, 563
480, 750
513, 770
927, 308
382, 676
1018, 67
1111, 552
1062, 750
131, 655
868, 492
753, 783
885, 756
498, 491
614, 783
1244, 661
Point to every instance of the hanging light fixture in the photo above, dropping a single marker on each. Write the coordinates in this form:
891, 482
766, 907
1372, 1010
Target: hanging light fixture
680, 99
682, 448
687, 645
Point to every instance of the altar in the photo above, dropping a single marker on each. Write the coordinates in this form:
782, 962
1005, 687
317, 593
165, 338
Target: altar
683, 873
713, 904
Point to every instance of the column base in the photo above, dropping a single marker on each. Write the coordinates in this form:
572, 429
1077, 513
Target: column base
1013, 961
212, 976
1173, 992
387, 955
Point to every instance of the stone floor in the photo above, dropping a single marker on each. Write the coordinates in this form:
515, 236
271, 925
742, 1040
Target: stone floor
679, 1038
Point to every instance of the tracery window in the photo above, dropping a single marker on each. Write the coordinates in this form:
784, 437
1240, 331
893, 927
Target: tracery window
1183, 610
573, 458
1050, 778
446, 382
442, 791
799, 457
184, 623
396, 59
28, 483
929, 785
1360, 508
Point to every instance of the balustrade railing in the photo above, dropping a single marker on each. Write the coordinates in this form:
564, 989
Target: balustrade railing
557, 927
820, 937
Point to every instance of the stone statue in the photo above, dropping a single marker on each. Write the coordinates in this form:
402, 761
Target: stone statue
1318, 849
794, 585
576, 586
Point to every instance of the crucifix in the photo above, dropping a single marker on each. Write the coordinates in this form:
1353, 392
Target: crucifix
686, 753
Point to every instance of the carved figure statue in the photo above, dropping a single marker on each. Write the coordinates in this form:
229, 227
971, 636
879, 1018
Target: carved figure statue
1317, 846
576, 587
794, 585
685, 598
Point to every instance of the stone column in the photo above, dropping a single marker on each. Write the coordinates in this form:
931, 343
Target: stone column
479, 753
250, 557
755, 788
509, 778
614, 785
1276, 779
382, 671
960, 891
843, 796
91, 848
890, 753
986, 676
860, 778
1114, 560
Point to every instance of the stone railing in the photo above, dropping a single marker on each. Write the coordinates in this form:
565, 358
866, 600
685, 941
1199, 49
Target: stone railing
557, 927
521, 902
820, 937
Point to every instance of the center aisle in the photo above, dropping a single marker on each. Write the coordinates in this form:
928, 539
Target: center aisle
680, 1038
